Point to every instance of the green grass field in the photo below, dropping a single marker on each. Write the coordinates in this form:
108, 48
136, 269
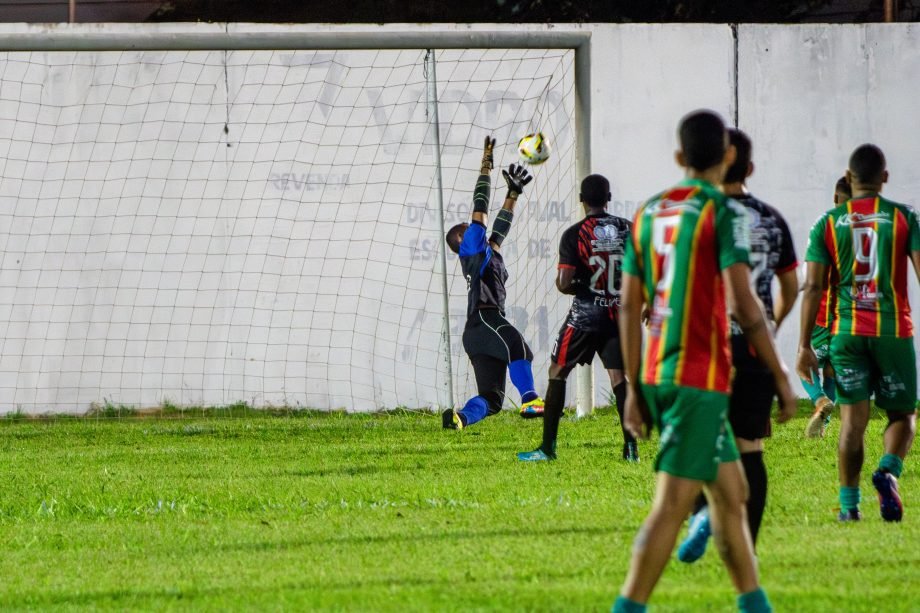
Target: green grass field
390, 513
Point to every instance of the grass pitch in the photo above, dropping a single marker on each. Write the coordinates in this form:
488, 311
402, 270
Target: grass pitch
390, 513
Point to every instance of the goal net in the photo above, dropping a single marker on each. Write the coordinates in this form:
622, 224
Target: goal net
208, 227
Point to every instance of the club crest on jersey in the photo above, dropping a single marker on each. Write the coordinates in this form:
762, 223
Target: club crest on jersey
855, 219
606, 238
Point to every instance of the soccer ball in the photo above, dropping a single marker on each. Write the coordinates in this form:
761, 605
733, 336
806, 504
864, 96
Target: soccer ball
533, 149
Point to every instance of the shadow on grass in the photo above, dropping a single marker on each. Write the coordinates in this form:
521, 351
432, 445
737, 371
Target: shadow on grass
375, 469
445, 536
157, 598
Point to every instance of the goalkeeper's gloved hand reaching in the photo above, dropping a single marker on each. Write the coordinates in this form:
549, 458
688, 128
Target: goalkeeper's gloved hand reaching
487, 148
516, 177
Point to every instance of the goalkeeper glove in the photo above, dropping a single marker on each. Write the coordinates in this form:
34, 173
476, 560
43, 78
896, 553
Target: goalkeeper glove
486, 166
516, 177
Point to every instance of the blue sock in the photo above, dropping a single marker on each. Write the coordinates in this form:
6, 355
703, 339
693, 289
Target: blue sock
521, 373
830, 388
813, 389
849, 498
474, 410
625, 605
892, 464
754, 602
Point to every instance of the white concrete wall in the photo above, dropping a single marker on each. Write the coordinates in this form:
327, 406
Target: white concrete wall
218, 268
644, 78
808, 95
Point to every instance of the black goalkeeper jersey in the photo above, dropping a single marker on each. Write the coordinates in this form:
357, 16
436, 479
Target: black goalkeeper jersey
594, 248
484, 270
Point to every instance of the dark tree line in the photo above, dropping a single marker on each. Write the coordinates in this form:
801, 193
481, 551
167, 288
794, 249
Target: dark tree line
533, 11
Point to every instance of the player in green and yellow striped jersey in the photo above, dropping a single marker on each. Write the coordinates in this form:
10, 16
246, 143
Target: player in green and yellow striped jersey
688, 260
867, 241
822, 388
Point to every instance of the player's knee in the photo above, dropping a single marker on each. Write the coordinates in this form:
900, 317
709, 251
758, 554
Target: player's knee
664, 517
851, 437
732, 494
908, 418
557, 371
745, 493
853, 426
732, 501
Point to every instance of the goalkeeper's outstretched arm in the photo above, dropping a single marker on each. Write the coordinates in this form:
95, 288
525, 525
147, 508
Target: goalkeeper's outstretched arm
469, 239
483, 187
516, 177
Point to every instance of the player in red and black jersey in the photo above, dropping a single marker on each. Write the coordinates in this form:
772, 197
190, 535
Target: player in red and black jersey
590, 254
492, 343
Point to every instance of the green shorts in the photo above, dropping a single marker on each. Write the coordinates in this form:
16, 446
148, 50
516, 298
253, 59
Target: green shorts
821, 343
695, 434
884, 366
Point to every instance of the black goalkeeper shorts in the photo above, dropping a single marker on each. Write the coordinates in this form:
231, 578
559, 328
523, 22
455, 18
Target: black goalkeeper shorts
488, 333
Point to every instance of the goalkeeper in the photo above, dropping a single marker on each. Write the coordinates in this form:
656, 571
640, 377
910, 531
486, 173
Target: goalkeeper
493, 344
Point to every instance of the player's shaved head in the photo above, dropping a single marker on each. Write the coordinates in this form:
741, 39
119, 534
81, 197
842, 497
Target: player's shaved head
702, 139
867, 165
738, 171
842, 191
595, 191
455, 236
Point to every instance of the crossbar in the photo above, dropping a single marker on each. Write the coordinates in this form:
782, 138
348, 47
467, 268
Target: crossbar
64, 37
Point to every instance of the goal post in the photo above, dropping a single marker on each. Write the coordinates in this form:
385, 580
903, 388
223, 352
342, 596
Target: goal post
217, 199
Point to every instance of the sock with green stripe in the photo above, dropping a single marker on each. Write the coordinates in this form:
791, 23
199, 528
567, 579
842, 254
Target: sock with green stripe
849, 498
754, 602
891, 463
625, 605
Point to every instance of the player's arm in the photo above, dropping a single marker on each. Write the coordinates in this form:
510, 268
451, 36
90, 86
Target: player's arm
748, 312
636, 417
806, 362
632, 303
817, 260
788, 292
913, 242
516, 177
787, 273
565, 280
483, 188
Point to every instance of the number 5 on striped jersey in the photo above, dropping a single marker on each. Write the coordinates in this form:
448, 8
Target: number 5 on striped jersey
663, 235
